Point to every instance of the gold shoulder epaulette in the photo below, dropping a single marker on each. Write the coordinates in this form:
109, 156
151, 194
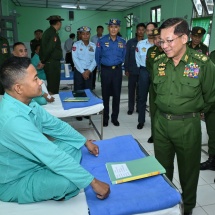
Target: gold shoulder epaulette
159, 57
201, 57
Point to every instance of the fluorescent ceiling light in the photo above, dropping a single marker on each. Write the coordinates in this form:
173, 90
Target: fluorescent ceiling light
73, 6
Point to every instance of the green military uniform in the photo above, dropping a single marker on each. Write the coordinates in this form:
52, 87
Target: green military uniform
33, 45
50, 54
212, 56
182, 93
152, 53
201, 48
4, 55
209, 121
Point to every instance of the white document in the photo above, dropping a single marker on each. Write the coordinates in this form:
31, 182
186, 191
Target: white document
67, 75
120, 170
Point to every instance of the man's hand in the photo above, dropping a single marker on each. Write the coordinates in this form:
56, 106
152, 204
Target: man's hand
48, 98
40, 65
86, 74
92, 148
127, 73
101, 189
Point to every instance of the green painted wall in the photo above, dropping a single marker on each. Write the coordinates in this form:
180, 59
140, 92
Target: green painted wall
34, 18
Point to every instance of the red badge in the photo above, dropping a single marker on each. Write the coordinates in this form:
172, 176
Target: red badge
98, 45
73, 48
136, 49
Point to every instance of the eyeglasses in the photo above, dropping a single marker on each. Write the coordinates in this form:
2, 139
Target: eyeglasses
169, 42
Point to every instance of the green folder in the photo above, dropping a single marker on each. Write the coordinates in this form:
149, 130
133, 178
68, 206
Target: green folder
120, 172
76, 99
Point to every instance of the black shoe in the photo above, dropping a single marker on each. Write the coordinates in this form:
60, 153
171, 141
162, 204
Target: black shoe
208, 164
79, 118
188, 213
150, 140
129, 112
115, 122
140, 125
105, 123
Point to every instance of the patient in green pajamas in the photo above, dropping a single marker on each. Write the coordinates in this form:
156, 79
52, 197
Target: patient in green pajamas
33, 168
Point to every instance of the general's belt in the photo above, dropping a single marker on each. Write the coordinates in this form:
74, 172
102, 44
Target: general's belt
177, 117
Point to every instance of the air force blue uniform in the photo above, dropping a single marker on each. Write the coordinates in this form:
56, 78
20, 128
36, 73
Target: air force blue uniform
110, 55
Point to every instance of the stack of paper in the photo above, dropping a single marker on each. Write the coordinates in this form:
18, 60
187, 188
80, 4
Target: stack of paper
120, 172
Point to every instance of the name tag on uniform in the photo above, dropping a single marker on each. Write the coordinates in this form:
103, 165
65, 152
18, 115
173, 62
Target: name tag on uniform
107, 44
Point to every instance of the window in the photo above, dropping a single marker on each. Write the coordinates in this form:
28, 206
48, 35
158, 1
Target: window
210, 6
156, 14
203, 8
130, 19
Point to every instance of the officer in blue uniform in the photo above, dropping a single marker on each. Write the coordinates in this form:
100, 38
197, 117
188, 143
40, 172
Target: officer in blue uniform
110, 54
83, 55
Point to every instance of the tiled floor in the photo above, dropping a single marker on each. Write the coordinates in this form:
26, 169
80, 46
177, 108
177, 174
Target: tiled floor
128, 123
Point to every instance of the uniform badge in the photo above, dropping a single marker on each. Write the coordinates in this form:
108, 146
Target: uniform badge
204, 58
144, 49
161, 69
153, 55
191, 70
107, 44
186, 58
73, 48
137, 49
91, 49
98, 45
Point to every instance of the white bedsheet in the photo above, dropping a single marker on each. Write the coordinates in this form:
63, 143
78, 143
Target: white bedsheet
56, 109
74, 206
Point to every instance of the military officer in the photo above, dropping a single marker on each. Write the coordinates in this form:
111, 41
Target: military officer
152, 53
83, 55
51, 54
110, 54
184, 82
143, 82
131, 69
197, 34
4, 54
209, 120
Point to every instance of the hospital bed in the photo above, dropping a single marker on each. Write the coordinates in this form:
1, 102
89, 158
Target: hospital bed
56, 109
86, 203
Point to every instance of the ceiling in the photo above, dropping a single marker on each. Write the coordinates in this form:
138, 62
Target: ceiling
102, 5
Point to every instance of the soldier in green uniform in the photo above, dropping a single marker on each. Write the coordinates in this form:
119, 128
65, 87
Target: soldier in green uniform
51, 54
196, 43
209, 120
184, 82
4, 54
152, 53
36, 41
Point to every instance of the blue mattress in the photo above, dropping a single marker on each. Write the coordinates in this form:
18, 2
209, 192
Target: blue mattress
68, 105
144, 195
